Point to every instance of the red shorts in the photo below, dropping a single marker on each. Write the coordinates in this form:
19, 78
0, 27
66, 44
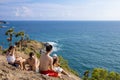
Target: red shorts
50, 73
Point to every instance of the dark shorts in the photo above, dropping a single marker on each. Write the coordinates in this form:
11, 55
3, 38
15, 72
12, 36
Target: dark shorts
14, 64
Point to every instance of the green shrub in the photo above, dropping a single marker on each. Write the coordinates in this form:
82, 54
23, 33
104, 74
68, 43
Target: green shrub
4, 51
99, 74
102, 74
38, 55
27, 50
64, 65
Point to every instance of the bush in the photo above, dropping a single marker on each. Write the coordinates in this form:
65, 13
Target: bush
4, 51
102, 74
27, 50
38, 55
64, 65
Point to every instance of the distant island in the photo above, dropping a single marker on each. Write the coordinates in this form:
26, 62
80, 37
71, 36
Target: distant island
3, 22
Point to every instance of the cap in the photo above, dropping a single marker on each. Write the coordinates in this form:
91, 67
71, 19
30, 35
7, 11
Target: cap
54, 55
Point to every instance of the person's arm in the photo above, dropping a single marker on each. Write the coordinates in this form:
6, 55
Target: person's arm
51, 63
36, 63
13, 51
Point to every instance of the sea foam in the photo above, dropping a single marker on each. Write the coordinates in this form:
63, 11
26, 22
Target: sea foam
55, 46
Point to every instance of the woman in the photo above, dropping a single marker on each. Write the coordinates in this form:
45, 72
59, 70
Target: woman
56, 65
15, 61
33, 62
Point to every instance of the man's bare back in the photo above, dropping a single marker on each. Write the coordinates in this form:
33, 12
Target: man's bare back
45, 62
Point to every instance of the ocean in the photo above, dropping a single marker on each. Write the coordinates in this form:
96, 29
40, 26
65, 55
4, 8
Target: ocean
85, 44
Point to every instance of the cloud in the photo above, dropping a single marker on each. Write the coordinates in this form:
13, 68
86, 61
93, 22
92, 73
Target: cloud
23, 12
54, 11
87, 10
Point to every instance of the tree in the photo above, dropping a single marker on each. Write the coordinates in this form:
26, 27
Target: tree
20, 34
10, 33
27, 37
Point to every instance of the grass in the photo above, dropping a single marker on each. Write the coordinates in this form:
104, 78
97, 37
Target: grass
65, 66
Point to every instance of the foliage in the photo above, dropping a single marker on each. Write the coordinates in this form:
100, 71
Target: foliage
64, 65
27, 37
102, 74
20, 34
27, 50
4, 51
38, 55
10, 33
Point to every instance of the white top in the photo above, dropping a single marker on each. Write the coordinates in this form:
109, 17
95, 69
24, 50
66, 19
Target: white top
58, 69
10, 59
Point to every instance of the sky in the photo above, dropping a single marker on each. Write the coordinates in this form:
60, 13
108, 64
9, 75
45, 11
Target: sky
59, 9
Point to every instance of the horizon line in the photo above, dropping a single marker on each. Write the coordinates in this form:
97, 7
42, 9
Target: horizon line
59, 20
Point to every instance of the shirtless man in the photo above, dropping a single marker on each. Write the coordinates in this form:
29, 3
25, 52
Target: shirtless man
33, 62
46, 63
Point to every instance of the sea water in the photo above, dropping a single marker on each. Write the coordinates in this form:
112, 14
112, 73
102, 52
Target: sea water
85, 44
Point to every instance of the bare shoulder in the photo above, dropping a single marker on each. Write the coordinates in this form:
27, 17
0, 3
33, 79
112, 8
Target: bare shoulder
50, 58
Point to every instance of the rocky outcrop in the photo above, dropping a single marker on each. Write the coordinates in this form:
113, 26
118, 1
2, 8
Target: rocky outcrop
9, 72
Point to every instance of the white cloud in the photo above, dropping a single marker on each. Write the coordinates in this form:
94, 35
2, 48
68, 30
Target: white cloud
92, 10
23, 12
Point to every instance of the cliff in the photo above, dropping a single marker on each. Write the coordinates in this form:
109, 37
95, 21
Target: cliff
8, 72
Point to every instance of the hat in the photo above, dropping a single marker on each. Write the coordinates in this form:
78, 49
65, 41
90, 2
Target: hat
54, 55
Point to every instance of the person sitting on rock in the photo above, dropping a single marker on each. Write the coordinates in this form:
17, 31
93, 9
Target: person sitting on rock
11, 59
56, 65
33, 62
46, 63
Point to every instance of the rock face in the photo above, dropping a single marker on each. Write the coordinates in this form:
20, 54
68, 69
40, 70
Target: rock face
9, 72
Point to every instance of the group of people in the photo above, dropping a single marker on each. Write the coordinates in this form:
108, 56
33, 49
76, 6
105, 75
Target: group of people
46, 65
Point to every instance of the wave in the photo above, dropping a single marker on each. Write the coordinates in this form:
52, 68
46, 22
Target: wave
55, 46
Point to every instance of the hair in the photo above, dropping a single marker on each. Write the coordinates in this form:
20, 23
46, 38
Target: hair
31, 54
49, 48
55, 60
10, 48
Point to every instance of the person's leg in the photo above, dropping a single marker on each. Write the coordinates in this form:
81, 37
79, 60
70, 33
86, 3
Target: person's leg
20, 61
59, 75
18, 58
65, 73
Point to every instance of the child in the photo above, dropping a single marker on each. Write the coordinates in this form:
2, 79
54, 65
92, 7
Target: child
56, 65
